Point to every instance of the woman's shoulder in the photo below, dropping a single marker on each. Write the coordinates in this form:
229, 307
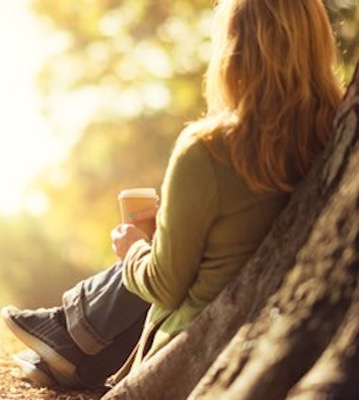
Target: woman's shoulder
190, 164
206, 136
188, 149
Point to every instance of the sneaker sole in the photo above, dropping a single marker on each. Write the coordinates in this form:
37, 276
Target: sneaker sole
57, 363
34, 374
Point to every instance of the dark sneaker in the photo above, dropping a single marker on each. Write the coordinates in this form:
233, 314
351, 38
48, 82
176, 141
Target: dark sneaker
43, 332
38, 372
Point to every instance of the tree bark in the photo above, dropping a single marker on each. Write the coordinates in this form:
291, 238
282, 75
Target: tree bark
291, 301
334, 376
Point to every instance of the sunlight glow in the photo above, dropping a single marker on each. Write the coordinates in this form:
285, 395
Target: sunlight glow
26, 142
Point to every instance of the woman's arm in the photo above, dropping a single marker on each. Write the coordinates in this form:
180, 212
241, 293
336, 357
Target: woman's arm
163, 272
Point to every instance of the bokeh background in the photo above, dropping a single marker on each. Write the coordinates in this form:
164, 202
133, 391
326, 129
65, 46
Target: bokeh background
93, 94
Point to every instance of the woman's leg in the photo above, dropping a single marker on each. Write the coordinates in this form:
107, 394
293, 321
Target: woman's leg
90, 371
98, 324
108, 361
100, 308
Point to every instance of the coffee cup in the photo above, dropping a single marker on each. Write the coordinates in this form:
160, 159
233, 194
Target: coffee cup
134, 200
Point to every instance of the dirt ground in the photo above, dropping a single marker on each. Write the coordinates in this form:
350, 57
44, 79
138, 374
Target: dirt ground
12, 387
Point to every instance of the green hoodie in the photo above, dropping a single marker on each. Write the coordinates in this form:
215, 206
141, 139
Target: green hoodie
208, 226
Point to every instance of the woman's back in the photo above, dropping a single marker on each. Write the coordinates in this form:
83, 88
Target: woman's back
208, 226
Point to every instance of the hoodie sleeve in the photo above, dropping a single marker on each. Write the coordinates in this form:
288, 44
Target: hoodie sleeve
162, 272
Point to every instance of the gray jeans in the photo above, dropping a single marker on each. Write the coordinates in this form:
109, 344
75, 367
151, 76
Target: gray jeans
100, 310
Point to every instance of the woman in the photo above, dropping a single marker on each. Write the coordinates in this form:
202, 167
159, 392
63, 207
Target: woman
272, 95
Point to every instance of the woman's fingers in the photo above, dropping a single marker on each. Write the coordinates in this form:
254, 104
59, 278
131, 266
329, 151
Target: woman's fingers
148, 213
123, 237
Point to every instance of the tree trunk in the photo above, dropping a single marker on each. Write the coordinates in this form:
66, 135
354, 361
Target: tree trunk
295, 299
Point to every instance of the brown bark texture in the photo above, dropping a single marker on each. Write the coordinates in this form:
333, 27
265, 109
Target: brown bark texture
287, 327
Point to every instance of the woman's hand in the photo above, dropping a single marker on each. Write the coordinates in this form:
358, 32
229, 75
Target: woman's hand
123, 237
147, 216
143, 215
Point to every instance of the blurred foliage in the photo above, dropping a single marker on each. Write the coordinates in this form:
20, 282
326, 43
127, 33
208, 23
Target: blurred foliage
139, 64
344, 15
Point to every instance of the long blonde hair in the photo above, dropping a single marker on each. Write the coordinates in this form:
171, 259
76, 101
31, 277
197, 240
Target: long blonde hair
272, 74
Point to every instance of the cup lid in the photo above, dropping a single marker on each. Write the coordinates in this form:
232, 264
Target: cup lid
138, 192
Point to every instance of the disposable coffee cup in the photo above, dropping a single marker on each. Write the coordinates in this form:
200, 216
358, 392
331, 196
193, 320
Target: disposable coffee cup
134, 200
